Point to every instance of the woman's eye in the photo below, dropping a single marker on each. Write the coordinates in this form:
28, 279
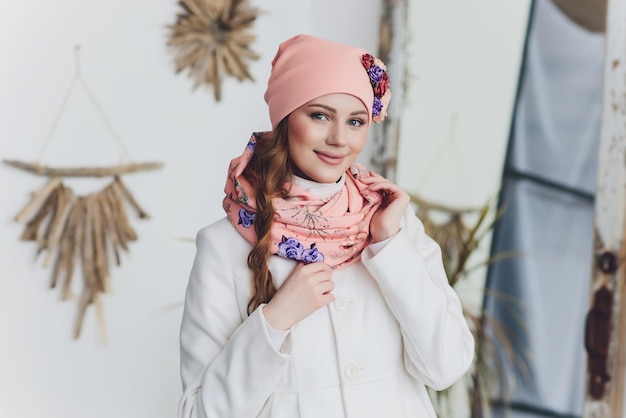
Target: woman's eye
318, 116
355, 122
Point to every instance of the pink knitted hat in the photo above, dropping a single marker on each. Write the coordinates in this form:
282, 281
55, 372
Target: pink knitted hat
306, 67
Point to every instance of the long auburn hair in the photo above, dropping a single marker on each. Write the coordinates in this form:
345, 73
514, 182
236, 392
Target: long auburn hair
268, 171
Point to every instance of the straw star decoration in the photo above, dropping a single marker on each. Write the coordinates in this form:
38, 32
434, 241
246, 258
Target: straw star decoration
211, 39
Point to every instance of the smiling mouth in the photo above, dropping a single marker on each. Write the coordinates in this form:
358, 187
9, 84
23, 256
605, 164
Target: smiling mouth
331, 159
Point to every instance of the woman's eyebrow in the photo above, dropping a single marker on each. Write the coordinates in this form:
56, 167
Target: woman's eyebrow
333, 110
323, 106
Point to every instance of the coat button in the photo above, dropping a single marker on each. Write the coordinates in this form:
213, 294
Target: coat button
342, 304
351, 371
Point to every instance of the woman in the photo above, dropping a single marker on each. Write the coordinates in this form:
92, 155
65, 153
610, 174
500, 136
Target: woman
319, 294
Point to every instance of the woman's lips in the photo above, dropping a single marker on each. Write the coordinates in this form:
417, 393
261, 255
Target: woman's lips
332, 159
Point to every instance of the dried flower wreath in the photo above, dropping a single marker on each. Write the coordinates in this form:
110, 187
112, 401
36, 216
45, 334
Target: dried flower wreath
211, 39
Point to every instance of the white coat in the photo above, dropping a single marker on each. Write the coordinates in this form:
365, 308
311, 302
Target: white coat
396, 325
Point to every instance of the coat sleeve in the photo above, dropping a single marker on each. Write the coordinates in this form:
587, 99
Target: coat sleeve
438, 344
229, 366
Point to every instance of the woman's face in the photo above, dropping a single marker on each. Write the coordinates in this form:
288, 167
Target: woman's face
326, 136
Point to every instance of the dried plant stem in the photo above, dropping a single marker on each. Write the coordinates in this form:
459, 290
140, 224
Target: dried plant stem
39, 196
124, 228
87, 295
57, 225
131, 199
65, 257
426, 205
54, 210
76, 243
116, 170
31, 231
110, 227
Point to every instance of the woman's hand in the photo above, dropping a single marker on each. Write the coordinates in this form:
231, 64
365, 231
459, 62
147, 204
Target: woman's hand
304, 291
386, 221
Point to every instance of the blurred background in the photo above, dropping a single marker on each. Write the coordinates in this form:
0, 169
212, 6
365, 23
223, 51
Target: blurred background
493, 130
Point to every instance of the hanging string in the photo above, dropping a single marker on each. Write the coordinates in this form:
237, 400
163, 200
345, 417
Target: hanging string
78, 77
56, 120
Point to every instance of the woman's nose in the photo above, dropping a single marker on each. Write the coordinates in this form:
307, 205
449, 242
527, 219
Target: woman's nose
336, 135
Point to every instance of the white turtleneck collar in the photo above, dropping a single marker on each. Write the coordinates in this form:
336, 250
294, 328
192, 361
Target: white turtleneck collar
321, 190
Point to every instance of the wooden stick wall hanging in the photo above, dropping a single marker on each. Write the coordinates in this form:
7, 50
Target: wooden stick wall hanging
81, 233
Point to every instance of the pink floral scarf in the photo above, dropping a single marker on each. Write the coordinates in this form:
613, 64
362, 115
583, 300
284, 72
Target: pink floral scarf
333, 230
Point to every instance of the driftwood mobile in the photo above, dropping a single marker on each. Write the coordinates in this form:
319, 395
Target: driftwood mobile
70, 228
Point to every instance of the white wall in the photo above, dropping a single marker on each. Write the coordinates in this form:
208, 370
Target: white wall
43, 372
463, 61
